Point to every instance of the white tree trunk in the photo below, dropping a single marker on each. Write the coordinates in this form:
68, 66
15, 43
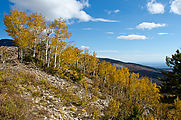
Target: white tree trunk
46, 50
55, 60
48, 64
34, 49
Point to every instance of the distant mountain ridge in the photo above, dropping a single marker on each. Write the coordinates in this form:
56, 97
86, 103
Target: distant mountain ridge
143, 70
7, 42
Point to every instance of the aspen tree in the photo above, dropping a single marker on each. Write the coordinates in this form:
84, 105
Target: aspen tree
92, 64
78, 55
84, 60
61, 32
36, 22
48, 31
15, 26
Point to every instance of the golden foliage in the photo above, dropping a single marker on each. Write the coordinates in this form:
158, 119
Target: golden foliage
45, 42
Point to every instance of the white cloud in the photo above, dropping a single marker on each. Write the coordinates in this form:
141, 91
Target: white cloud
116, 11
84, 47
162, 33
132, 37
53, 9
147, 25
87, 29
107, 51
113, 11
103, 20
155, 8
176, 7
111, 33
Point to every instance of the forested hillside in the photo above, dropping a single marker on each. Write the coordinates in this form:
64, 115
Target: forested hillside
52, 79
150, 72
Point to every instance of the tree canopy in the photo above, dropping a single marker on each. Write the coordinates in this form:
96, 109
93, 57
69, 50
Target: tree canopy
172, 79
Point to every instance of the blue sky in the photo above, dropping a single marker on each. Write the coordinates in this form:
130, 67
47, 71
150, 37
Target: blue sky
142, 31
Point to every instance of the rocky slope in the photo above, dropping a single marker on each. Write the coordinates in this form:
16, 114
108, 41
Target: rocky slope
57, 98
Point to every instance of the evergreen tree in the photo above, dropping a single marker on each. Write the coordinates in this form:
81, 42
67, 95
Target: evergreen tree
172, 79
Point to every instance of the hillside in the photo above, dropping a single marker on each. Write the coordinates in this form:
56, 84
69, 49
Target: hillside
44, 96
150, 72
36, 94
7, 42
